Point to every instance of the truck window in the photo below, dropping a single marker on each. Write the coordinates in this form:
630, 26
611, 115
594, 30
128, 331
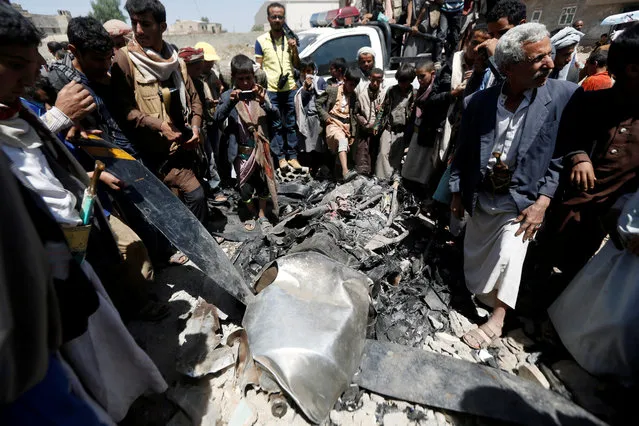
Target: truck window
305, 41
343, 47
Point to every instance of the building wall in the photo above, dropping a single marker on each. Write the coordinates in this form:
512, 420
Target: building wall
193, 27
49, 24
298, 12
592, 12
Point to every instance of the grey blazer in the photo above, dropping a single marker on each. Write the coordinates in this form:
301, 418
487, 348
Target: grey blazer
537, 172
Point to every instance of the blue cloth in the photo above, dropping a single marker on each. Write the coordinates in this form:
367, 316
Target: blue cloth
34, 106
49, 403
442, 193
485, 79
284, 128
537, 172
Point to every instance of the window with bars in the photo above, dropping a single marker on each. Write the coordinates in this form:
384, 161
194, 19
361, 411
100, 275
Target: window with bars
567, 15
536, 16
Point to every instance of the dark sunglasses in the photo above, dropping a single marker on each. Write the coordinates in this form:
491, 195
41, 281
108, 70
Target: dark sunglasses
420, 76
277, 17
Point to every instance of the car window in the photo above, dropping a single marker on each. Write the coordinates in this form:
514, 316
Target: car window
306, 40
343, 47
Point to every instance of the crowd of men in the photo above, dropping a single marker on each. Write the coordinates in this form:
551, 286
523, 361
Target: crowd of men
538, 171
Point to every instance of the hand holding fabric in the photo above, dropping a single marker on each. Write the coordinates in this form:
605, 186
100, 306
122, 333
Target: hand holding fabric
531, 218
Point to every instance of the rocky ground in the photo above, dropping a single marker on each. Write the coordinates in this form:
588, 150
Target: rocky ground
419, 301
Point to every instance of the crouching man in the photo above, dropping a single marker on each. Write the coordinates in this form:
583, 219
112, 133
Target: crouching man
504, 173
336, 108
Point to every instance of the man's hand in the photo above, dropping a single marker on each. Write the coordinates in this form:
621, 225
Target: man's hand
109, 180
532, 217
459, 90
583, 176
292, 44
456, 206
75, 101
308, 83
195, 140
235, 95
79, 130
260, 94
467, 75
170, 132
490, 45
414, 30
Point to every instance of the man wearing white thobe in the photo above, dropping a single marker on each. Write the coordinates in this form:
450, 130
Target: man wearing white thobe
503, 172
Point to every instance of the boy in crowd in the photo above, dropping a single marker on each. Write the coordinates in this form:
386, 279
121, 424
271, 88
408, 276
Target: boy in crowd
249, 112
425, 137
597, 71
369, 102
336, 108
195, 66
308, 122
393, 117
337, 69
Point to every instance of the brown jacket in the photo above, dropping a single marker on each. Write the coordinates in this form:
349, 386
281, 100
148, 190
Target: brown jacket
325, 103
139, 114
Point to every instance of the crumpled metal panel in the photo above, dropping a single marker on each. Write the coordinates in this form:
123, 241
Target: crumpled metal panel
308, 329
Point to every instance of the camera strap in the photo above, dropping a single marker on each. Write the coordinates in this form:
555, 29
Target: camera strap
279, 61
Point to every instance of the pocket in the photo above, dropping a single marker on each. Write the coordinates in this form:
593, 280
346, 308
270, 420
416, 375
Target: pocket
149, 100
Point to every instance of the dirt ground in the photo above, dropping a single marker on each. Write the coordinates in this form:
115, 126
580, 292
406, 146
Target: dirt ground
226, 44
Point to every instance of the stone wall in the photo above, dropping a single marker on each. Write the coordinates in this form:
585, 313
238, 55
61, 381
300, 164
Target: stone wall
589, 11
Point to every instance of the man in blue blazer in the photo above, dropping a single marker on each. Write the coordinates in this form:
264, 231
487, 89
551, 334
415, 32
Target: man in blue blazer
504, 173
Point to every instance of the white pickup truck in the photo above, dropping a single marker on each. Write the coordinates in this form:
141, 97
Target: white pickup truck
323, 45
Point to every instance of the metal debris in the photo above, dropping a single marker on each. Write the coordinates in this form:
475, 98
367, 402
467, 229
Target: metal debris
307, 329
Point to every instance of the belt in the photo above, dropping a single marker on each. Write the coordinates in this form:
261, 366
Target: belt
498, 182
343, 120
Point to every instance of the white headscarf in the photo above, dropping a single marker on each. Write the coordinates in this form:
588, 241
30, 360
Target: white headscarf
366, 50
568, 36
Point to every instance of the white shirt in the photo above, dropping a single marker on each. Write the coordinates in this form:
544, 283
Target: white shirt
34, 170
508, 129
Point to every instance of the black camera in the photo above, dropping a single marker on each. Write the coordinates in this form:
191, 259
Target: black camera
282, 81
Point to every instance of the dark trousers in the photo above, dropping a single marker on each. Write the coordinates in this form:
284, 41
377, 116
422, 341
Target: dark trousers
448, 34
572, 238
284, 140
366, 154
255, 186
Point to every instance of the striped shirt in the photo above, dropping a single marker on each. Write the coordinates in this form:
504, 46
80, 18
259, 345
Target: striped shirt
452, 6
